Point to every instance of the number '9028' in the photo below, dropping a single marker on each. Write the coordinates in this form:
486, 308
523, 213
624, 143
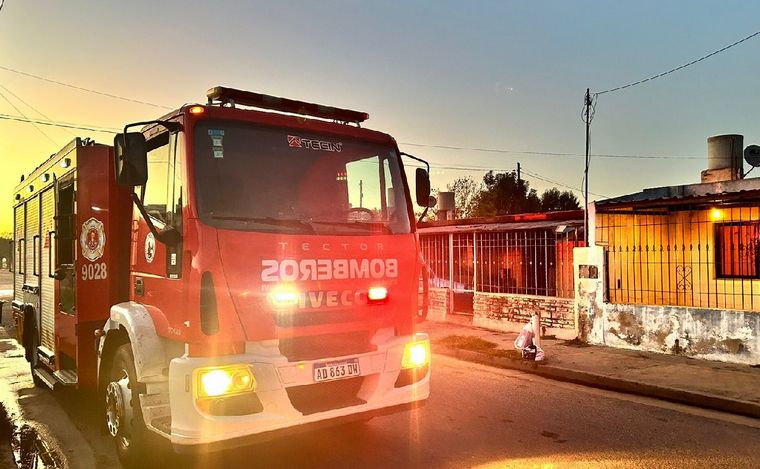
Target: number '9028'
97, 271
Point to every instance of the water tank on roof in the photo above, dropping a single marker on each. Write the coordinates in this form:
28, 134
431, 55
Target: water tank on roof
446, 201
446, 206
724, 158
725, 151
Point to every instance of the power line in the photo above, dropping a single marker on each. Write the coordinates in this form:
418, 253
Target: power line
545, 179
24, 115
548, 153
110, 130
659, 75
530, 173
32, 107
80, 88
64, 125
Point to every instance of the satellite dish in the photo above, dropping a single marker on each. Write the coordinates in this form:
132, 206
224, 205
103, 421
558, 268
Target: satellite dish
752, 155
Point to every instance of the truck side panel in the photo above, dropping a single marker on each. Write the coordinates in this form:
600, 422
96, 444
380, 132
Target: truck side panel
18, 250
103, 215
47, 284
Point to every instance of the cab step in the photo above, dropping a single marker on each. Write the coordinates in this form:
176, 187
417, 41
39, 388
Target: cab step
157, 413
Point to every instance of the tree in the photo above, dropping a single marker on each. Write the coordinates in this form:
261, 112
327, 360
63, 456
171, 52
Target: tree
504, 194
553, 200
466, 192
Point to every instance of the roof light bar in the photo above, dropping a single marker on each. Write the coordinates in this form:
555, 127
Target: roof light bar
248, 98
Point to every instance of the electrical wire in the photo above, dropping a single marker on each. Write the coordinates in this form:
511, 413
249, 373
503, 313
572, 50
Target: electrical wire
659, 75
33, 108
64, 125
530, 173
39, 129
80, 88
549, 153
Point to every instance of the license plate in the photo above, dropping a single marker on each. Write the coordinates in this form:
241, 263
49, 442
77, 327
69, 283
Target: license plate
336, 370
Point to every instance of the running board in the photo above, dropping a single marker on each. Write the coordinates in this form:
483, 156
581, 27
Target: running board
66, 377
45, 377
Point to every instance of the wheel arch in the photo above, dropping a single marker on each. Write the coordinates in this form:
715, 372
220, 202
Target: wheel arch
130, 322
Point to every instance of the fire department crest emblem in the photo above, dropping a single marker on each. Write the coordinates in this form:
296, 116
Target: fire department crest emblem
150, 247
92, 239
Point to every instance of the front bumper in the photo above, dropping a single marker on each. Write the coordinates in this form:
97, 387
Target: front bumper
276, 380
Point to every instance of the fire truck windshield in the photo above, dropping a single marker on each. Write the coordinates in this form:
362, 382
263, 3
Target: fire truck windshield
259, 178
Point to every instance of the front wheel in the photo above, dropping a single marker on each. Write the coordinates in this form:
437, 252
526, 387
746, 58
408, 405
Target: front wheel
123, 415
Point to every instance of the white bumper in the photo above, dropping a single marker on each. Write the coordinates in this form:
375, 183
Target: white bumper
274, 374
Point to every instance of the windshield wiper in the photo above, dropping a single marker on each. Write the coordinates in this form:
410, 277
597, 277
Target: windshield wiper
355, 224
268, 221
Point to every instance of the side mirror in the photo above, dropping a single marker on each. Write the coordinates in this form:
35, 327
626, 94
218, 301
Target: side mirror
131, 159
432, 202
423, 187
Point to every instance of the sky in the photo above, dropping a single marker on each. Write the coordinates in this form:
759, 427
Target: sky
506, 75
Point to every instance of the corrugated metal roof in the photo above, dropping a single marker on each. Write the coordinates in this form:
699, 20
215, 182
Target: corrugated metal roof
714, 190
489, 227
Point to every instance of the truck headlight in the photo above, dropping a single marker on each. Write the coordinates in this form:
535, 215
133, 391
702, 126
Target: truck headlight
221, 381
416, 354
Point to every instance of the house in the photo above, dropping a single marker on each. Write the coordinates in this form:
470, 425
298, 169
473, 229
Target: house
676, 269
495, 272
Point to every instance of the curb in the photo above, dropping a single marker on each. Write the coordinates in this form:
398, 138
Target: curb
680, 396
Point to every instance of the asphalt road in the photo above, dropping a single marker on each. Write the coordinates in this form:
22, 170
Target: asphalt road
484, 417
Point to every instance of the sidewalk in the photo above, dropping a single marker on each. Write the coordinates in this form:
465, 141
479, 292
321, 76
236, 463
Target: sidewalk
702, 383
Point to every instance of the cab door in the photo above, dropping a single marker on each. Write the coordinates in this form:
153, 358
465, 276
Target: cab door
156, 267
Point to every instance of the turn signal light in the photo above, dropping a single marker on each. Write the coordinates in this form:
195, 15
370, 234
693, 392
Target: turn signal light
224, 381
416, 354
197, 110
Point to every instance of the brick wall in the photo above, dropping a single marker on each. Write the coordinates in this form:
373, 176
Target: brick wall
494, 308
438, 305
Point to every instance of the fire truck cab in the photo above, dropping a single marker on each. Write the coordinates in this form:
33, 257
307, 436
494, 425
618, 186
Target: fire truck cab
228, 273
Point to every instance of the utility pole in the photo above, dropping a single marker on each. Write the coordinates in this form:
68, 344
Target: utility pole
587, 118
361, 192
518, 172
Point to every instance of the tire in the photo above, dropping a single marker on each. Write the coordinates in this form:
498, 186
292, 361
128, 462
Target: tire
31, 341
122, 412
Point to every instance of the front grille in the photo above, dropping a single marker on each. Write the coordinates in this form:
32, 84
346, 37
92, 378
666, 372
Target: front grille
320, 397
326, 345
314, 318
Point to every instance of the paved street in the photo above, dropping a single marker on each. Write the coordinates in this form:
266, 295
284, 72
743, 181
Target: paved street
484, 417
477, 416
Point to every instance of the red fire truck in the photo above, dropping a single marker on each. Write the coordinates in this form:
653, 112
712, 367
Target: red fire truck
231, 272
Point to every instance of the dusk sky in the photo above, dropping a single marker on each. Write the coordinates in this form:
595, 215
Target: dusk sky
499, 75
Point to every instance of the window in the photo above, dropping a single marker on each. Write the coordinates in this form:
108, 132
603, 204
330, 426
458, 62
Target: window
291, 181
736, 250
158, 188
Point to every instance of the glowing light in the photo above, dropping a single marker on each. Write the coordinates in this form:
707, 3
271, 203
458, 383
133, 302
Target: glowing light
284, 296
416, 354
226, 380
197, 110
716, 214
377, 294
216, 383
